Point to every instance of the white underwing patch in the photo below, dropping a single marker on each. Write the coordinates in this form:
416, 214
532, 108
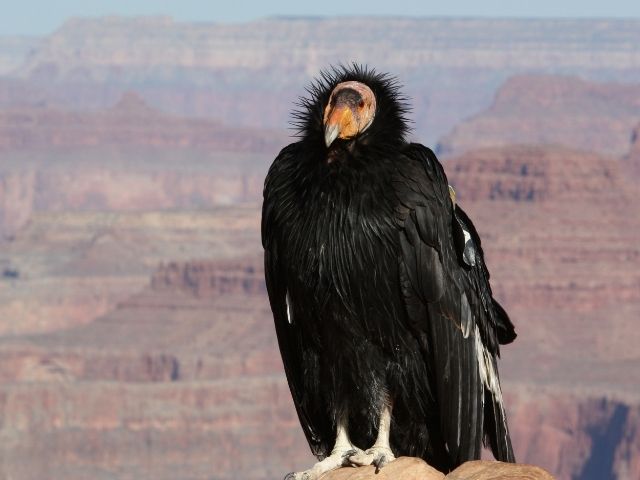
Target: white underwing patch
486, 367
488, 374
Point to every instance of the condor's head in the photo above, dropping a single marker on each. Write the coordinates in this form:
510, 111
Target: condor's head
350, 107
349, 111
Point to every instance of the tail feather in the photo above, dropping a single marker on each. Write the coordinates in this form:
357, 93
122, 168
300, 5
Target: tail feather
496, 432
505, 329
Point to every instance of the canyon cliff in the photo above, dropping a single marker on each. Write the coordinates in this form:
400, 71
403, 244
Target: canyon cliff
552, 110
186, 373
136, 338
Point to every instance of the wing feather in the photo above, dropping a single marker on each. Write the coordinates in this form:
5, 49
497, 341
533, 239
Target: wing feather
290, 338
445, 284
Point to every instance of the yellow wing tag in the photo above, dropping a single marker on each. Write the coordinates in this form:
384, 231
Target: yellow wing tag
452, 194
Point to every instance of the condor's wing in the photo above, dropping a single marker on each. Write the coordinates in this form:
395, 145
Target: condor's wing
304, 386
445, 285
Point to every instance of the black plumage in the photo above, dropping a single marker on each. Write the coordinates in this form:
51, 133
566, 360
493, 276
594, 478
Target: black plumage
379, 289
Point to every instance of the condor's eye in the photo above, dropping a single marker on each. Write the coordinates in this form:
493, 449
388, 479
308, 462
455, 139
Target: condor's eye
361, 104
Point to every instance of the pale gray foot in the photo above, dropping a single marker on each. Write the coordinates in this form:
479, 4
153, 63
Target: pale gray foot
378, 456
337, 459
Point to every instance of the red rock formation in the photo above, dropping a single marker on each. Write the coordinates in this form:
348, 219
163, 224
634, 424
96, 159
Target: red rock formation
188, 375
17, 192
209, 279
573, 435
566, 211
130, 157
131, 122
158, 430
188, 370
552, 110
199, 182
534, 174
251, 73
141, 186
120, 42
95, 260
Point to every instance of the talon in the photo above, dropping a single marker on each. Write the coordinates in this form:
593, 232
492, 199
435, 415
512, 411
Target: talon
297, 476
379, 462
349, 453
346, 461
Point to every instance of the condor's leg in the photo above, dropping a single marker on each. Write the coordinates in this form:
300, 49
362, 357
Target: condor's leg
380, 454
342, 451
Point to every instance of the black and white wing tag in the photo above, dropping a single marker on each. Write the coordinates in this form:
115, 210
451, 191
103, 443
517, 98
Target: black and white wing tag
465, 246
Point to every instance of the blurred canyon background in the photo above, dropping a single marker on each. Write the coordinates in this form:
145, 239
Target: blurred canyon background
136, 339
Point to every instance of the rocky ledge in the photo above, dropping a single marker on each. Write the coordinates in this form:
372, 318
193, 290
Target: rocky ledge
410, 468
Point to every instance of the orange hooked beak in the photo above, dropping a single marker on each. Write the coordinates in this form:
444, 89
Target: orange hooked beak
339, 123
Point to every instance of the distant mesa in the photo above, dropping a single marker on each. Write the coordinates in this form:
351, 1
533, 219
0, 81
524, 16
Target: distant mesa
486, 43
132, 103
552, 110
533, 174
246, 74
131, 122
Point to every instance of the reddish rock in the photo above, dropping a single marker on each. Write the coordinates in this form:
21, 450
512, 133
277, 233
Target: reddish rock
573, 436
403, 468
187, 372
410, 468
130, 123
484, 470
209, 279
552, 110
251, 73
17, 192
564, 241
105, 46
96, 260
534, 174
123, 180
215, 388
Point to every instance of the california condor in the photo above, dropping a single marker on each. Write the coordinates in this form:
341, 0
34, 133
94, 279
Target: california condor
385, 319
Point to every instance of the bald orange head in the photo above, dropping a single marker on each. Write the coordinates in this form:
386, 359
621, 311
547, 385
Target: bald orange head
350, 111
